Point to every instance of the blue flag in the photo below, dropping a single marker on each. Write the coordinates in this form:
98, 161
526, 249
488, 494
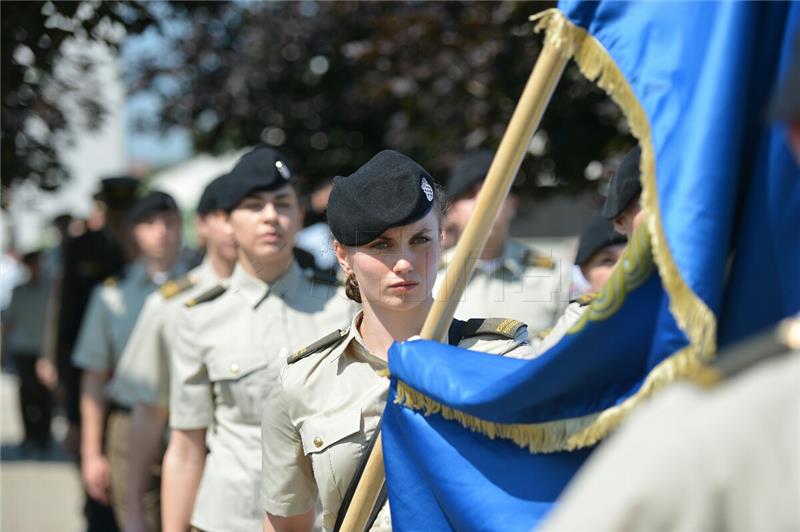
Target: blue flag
477, 442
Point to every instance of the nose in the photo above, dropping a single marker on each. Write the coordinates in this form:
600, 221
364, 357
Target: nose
404, 263
269, 213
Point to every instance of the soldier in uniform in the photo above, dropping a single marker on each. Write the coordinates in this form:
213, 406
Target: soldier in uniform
622, 208
113, 309
509, 278
386, 222
230, 345
141, 378
88, 259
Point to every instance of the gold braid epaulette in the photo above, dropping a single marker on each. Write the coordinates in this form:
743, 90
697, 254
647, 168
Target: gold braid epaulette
326, 341
173, 287
539, 261
496, 326
208, 295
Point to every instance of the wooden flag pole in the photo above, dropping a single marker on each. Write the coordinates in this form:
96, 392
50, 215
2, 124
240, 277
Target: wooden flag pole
527, 115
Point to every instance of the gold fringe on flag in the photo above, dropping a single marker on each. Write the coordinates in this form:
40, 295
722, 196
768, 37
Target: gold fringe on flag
648, 245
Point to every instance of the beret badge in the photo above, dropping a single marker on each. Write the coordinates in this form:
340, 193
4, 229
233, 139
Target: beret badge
426, 188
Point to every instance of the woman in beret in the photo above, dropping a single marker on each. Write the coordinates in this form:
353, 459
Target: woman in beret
386, 222
231, 342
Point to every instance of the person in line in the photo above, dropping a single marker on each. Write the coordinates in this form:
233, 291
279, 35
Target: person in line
23, 318
510, 279
231, 342
386, 219
112, 313
623, 209
142, 375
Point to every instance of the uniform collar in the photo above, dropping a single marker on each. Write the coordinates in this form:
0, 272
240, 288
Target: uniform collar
254, 290
204, 273
355, 346
137, 273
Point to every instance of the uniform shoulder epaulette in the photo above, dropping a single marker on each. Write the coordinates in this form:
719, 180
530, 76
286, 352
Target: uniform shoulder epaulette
208, 295
173, 287
111, 282
326, 341
320, 276
585, 299
539, 261
497, 326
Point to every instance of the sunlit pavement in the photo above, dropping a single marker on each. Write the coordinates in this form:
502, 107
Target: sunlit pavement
39, 492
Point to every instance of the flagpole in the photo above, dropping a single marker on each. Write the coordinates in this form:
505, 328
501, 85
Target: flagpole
527, 115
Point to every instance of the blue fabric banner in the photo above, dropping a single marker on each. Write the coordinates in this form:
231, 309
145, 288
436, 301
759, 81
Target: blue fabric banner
476, 442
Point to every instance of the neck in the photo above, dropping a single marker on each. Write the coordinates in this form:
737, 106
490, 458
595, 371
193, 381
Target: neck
380, 327
155, 266
220, 265
267, 271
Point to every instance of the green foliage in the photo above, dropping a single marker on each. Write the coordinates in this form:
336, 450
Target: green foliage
39, 79
331, 83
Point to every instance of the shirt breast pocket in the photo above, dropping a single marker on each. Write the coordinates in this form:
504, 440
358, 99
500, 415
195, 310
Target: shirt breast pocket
242, 379
334, 445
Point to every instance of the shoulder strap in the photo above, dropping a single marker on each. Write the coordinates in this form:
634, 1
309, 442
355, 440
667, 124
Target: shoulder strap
456, 332
496, 326
585, 299
351, 489
208, 295
539, 261
326, 341
173, 287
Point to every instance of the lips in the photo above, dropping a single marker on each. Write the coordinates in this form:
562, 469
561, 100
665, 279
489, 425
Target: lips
404, 285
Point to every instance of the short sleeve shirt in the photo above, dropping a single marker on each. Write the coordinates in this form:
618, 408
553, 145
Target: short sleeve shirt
225, 363
142, 375
110, 318
516, 286
316, 429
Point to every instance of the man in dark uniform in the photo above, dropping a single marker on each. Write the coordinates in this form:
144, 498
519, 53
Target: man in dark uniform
88, 259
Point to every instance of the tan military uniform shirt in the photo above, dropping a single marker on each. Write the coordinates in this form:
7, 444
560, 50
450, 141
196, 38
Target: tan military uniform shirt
316, 429
521, 284
693, 460
225, 362
142, 375
113, 309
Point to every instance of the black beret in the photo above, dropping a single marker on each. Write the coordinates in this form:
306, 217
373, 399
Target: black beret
212, 196
390, 190
469, 172
118, 193
625, 186
261, 169
598, 234
153, 203
786, 102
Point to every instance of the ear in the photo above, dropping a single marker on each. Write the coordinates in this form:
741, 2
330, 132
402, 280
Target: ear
343, 257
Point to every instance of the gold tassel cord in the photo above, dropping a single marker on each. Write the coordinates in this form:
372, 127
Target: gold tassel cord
649, 245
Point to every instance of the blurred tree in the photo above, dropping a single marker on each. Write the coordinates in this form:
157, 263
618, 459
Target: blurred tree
331, 83
46, 92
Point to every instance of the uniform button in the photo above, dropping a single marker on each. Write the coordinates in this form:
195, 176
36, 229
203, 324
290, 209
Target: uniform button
317, 442
234, 368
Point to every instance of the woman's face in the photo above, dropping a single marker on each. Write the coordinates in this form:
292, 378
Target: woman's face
265, 224
397, 270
